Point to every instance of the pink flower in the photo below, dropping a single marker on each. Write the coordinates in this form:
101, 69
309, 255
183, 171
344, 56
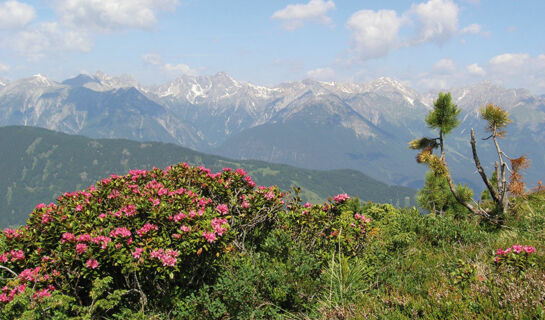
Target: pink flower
500, 252
4, 257
114, 194
155, 202
147, 228
362, 218
81, 248
103, 240
185, 228
209, 236
91, 263
162, 191
129, 210
240, 171
83, 238
270, 195
79, 207
179, 216
120, 232
17, 255
307, 205
517, 248
222, 208
249, 180
40, 205
67, 237
341, 197
245, 204
529, 249
102, 216
42, 294
137, 253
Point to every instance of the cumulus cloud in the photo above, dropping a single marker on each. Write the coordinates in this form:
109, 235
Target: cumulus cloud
475, 69
152, 58
321, 73
108, 15
49, 37
294, 16
15, 15
436, 20
444, 66
3, 67
374, 33
175, 70
509, 60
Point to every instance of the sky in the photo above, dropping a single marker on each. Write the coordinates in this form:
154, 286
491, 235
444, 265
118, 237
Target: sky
428, 45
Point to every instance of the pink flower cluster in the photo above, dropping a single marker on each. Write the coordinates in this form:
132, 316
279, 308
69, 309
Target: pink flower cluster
91, 263
222, 208
218, 225
341, 197
8, 295
146, 228
120, 232
167, 257
362, 218
516, 248
13, 255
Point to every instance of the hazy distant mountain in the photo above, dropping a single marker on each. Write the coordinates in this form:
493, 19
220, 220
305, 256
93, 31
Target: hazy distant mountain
312, 124
42, 164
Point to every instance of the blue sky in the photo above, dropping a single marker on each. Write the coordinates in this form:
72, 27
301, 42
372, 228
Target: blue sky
430, 45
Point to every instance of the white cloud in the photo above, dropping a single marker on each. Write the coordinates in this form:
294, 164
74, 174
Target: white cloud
436, 20
374, 33
49, 37
152, 58
475, 69
109, 15
3, 67
294, 16
321, 73
176, 70
15, 15
444, 66
472, 29
509, 60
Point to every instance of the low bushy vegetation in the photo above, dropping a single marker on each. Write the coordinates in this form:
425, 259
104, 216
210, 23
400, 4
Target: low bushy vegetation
186, 243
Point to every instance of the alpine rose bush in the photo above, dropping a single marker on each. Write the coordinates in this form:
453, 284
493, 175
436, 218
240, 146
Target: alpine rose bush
151, 231
517, 256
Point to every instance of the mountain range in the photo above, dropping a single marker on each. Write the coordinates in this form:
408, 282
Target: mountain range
308, 124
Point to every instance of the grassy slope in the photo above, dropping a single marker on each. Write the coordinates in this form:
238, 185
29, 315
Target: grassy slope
37, 165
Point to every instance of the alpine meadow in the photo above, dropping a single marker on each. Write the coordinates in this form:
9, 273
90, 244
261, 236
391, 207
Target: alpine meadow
318, 159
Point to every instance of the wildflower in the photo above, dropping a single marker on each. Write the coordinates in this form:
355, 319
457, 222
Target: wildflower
529, 249
341, 197
81, 248
222, 208
147, 228
185, 228
17, 255
67, 237
91, 263
120, 232
137, 253
114, 194
209, 236
517, 248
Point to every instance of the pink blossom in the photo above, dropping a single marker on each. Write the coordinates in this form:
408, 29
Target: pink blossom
249, 180
102, 216
120, 232
83, 238
341, 197
68, 237
222, 208
362, 218
240, 171
270, 195
103, 240
185, 228
154, 201
209, 236
129, 210
137, 253
17, 255
307, 205
4, 257
29, 274
162, 191
517, 248
42, 294
91, 263
79, 207
40, 205
529, 249
500, 252
147, 228
179, 217
114, 194
81, 248
245, 204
